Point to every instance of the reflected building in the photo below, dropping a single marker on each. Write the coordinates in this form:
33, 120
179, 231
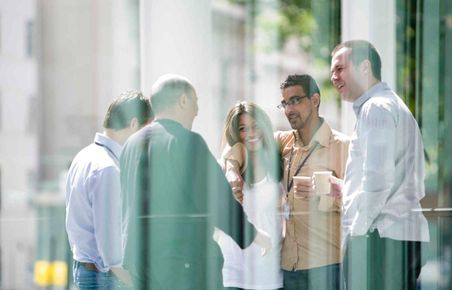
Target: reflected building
62, 62
19, 154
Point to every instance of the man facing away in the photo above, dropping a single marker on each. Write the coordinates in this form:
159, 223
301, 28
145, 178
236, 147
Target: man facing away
384, 180
175, 193
311, 253
93, 209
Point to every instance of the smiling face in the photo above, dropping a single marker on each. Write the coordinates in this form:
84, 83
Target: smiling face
347, 77
249, 133
300, 113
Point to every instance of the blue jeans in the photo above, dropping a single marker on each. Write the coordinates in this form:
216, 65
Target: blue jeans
88, 279
320, 278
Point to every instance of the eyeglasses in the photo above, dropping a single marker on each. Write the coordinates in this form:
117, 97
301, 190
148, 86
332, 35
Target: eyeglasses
295, 100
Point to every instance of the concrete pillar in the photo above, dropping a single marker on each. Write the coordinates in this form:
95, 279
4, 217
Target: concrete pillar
175, 38
374, 21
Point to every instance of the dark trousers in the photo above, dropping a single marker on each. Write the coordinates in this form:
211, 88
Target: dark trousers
375, 263
320, 278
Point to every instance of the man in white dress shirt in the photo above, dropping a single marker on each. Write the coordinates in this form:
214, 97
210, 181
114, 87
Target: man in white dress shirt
93, 207
383, 226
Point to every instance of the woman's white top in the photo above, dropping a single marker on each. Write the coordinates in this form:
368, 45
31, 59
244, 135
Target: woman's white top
247, 268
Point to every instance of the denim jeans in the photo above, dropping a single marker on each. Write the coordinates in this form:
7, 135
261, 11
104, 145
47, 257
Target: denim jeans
88, 279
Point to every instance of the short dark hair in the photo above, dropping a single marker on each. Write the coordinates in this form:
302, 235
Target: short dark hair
360, 51
130, 104
307, 82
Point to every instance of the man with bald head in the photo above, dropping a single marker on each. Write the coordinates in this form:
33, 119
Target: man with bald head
175, 194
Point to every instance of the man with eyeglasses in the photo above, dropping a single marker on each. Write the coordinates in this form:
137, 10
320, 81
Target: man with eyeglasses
311, 253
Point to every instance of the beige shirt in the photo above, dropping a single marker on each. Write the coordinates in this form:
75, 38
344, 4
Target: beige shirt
313, 229
235, 153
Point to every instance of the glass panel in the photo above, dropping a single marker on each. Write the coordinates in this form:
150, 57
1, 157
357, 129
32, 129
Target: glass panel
424, 77
63, 62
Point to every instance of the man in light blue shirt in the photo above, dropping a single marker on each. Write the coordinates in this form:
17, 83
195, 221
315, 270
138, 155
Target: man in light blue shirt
383, 226
93, 202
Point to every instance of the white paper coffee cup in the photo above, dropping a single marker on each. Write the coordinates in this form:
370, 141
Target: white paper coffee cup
322, 182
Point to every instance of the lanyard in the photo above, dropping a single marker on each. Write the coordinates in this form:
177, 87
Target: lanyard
102, 145
290, 181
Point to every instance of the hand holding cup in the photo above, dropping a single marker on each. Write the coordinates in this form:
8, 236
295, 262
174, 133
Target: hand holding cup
336, 186
302, 186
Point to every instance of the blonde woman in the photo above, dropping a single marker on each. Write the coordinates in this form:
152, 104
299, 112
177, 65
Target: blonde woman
251, 155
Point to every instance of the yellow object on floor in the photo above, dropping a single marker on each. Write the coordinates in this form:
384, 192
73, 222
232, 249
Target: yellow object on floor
50, 273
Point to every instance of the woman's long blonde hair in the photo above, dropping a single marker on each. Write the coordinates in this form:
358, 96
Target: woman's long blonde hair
232, 134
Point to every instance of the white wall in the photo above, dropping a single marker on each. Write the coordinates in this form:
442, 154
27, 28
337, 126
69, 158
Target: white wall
176, 38
18, 142
374, 21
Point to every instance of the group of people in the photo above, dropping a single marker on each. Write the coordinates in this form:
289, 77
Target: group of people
148, 206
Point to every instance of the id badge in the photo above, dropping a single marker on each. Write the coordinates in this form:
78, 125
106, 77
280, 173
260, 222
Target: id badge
286, 211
